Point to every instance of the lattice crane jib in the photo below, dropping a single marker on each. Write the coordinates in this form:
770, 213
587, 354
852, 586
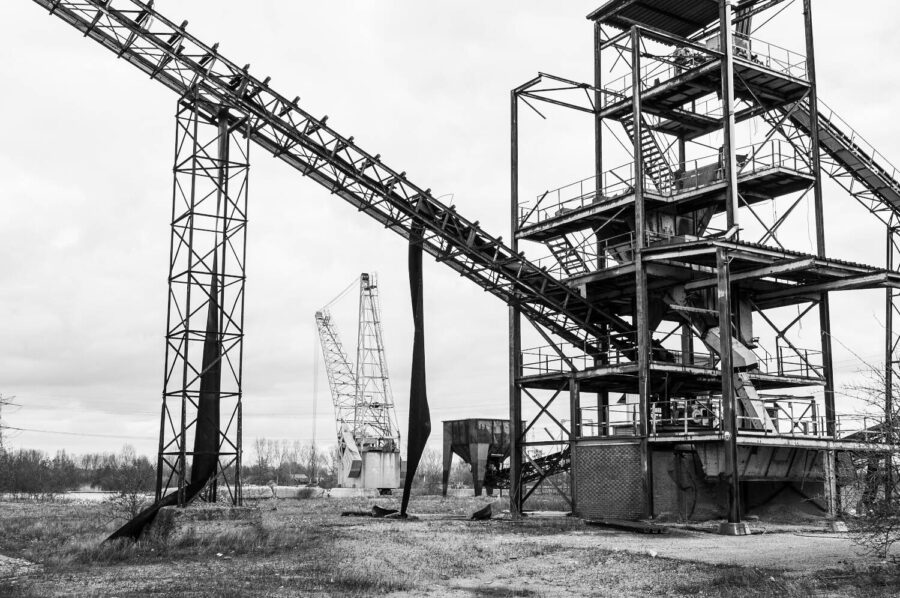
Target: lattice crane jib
339, 369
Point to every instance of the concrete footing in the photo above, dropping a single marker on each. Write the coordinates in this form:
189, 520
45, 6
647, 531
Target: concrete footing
734, 529
353, 493
836, 526
174, 524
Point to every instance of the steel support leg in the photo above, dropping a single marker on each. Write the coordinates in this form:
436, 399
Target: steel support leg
729, 406
574, 433
642, 322
515, 331
208, 243
891, 348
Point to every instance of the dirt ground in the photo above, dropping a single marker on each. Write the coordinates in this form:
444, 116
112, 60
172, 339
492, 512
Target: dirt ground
306, 548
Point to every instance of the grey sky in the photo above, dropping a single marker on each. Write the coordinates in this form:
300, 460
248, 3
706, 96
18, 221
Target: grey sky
86, 170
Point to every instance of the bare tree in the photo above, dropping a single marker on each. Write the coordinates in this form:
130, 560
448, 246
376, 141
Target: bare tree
429, 474
265, 453
870, 476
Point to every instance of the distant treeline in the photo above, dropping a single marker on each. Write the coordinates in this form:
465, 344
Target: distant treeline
282, 462
33, 471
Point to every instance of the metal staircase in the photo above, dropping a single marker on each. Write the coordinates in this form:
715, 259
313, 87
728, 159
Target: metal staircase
568, 256
656, 166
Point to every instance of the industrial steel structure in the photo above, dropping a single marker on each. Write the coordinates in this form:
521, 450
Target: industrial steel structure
367, 432
654, 298
717, 124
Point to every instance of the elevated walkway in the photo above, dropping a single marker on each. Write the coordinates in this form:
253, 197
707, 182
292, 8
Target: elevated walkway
770, 169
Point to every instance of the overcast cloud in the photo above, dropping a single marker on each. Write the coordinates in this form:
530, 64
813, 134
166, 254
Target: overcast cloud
86, 194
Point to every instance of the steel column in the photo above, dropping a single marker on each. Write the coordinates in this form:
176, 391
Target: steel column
891, 348
729, 406
602, 396
642, 319
515, 328
728, 159
574, 432
824, 303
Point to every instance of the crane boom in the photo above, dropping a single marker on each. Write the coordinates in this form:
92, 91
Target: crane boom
341, 378
139, 34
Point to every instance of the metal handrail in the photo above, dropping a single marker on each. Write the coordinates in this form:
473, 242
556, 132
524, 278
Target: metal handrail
696, 174
786, 416
546, 359
683, 59
792, 416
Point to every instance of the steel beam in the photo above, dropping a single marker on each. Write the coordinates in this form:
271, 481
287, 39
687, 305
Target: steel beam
818, 200
891, 348
574, 432
602, 396
642, 308
729, 160
729, 401
515, 329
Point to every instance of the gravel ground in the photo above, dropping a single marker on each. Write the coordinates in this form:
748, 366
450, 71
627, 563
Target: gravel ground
308, 549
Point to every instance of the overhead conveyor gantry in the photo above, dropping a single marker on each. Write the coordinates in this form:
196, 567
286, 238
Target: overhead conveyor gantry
220, 92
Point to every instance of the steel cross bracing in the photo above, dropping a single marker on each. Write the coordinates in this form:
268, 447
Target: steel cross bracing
139, 34
341, 376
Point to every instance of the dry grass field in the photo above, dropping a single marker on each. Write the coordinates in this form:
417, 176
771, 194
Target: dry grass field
305, 548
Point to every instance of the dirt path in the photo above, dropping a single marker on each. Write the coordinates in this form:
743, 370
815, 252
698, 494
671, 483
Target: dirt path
565, 572
795, 551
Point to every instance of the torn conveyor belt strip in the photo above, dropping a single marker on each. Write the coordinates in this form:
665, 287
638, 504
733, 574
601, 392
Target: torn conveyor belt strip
139, 34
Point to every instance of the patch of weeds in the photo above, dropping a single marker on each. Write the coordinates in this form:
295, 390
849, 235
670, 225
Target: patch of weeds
741, 582
93, 551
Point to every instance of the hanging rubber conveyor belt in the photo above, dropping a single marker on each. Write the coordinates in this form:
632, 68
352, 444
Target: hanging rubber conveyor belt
139, 34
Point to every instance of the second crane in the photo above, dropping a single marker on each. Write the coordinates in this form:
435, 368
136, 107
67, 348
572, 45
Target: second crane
367, 432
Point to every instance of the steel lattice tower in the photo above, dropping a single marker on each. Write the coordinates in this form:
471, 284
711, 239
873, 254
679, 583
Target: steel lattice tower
206, 279
375, 420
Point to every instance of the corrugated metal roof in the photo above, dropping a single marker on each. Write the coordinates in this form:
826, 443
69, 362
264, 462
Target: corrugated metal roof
678, 17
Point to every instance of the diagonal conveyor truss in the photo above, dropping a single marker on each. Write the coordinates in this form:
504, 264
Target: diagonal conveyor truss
163, 49
137, 33
853, 162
